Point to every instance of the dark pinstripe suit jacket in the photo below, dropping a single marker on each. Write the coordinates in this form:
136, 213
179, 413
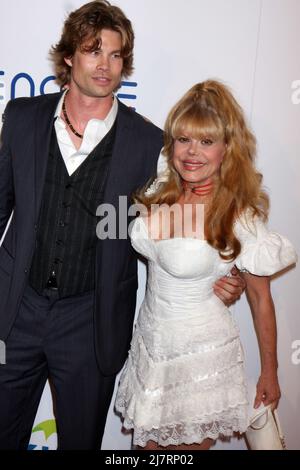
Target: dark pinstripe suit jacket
24, 150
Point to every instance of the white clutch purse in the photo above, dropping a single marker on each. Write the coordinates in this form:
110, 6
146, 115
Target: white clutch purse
264, 431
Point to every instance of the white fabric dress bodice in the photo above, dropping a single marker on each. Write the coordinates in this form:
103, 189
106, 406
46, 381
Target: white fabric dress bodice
184, 379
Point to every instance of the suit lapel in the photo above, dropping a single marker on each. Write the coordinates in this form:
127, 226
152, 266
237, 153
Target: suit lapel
118, 166
43, 131
107, 252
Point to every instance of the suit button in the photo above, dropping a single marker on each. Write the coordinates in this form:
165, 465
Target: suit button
25, 271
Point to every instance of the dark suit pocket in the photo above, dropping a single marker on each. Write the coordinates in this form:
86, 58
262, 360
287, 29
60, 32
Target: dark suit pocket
6, 269
6, 262
131, 283
126, 297
124, 315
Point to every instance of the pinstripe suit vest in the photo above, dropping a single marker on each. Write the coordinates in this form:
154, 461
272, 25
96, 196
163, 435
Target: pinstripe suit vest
66, 231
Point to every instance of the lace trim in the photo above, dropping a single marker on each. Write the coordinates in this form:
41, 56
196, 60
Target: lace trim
225, 424
183, 401
165, 341
155, 186
189, 367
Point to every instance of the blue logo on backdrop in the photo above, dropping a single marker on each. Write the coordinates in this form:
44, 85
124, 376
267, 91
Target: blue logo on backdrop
40, 88
31, 84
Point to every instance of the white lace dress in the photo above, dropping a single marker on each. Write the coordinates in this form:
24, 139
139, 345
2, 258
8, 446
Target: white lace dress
184, 378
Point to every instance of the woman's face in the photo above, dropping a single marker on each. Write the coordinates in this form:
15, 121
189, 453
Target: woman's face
198, 161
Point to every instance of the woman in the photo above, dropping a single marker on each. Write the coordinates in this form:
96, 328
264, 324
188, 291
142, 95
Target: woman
184, 382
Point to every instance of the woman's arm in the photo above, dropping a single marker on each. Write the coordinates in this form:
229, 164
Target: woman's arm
262, 307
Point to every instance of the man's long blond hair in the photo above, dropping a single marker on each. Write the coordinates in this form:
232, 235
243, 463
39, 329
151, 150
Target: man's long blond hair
209, 110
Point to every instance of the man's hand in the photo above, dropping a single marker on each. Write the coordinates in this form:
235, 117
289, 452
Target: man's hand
229, 289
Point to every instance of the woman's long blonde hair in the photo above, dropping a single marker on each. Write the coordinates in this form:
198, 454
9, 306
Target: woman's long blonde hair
209, 110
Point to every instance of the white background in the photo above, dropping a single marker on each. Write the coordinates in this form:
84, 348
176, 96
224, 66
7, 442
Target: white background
254, 47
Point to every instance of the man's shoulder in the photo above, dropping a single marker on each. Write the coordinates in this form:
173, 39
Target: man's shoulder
22, 110
31, 102
147, 123
140, 122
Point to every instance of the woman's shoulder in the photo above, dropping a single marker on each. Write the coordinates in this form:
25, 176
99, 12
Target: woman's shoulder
250, 226
263, 251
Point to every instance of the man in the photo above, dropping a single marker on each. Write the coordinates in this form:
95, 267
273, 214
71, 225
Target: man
68, 298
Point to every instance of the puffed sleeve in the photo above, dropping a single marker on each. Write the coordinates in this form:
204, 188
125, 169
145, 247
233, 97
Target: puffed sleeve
263, 252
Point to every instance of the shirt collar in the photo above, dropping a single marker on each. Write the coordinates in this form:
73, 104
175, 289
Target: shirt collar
108, 120
59, 106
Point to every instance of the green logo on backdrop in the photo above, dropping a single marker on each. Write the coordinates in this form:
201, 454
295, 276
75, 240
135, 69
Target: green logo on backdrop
47, 427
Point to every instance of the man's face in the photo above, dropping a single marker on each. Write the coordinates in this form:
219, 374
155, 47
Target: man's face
98, 73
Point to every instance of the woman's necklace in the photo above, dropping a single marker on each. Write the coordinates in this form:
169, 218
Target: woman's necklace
199, 190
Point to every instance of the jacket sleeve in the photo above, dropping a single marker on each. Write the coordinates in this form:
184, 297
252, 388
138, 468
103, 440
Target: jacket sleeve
7, 197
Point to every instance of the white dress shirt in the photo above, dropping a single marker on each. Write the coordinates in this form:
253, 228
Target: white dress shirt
95, 131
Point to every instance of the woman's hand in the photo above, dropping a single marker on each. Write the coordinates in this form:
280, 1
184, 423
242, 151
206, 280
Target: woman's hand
267, 389
230, 288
